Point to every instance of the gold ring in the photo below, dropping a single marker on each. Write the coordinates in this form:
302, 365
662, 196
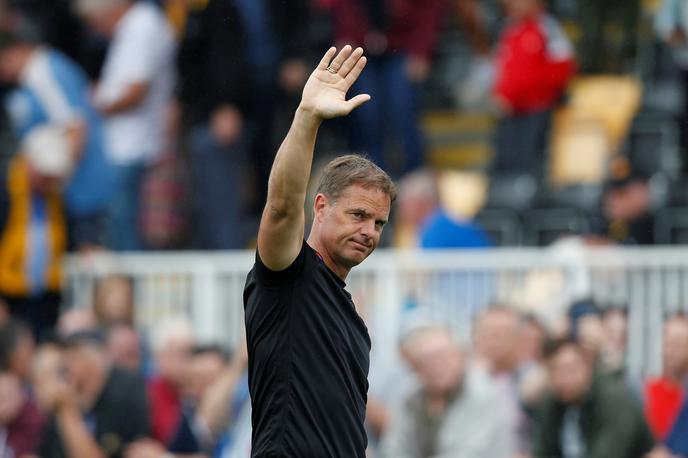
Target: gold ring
331, 70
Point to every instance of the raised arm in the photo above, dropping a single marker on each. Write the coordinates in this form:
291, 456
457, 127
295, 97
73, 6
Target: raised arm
324, 97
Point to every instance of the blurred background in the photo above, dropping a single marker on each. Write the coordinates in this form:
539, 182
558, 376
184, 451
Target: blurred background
530, 295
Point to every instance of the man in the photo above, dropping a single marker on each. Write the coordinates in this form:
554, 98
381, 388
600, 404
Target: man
453, 414
52, 89
97, 409
308, 347
587, 415
21, 423
400, 37
133, 94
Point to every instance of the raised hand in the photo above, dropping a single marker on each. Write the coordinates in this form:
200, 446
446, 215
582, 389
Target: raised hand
325, 92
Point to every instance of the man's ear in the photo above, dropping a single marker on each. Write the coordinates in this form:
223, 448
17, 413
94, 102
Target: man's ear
320, 206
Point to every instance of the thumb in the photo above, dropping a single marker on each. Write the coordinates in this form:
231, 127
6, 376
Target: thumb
357, 101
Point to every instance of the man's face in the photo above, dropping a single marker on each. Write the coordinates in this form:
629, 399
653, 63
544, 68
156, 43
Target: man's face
205, 369
518, 9
11, 64
675, 346
173, 361
437, 361
352, 225
570, 374
496, 337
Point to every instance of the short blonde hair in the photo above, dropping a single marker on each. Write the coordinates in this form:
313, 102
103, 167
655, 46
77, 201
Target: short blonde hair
352, 169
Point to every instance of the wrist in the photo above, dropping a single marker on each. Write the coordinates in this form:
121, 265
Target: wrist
308, 117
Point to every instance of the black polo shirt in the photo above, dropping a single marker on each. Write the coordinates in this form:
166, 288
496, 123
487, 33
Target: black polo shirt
308, 362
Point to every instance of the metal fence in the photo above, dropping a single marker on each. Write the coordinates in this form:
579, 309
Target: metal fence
393, 287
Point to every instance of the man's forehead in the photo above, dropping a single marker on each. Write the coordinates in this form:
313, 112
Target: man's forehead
373, 199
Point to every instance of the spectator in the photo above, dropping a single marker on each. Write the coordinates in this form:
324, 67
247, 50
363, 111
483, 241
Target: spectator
172, 342
615, 329
278, 71
399, 38
113, 301
124, 347
496, 336
418, 199
33, 226
52, 89
212, 85
423, 220
665, 395
627, 215
581, 415
218, 392
133, 94
534, 63
21, 424
97, 409
16, 349
451, 414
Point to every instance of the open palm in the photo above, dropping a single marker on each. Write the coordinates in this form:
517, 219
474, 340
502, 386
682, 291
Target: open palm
325, 92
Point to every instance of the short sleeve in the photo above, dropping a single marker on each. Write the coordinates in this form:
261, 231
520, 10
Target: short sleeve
269, 277
143, 45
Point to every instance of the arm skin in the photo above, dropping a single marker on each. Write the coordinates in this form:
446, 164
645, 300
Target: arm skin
77, 440
324, 97
131, 98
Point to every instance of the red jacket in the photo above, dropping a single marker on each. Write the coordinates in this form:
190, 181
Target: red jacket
663, 401
413, 25
534, 63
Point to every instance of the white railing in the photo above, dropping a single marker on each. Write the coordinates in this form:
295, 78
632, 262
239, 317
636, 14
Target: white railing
450, 286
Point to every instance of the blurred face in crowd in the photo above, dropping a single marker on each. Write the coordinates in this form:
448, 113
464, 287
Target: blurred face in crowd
13, 59
173, 360
114, 300
675, 347
205, 369
570, 374
350, 227
615, 326
12, 398
518, 9
87, 366
531, 338
437, 360
47, 371
497, 338
627, 202
591, 334
124, 347
417, 198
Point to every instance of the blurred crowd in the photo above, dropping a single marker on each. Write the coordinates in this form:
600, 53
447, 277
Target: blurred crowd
151, 125
96, 386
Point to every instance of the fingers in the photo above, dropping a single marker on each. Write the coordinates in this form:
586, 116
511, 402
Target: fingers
356, 71
325, 61
357, 102
341, 57
350, 62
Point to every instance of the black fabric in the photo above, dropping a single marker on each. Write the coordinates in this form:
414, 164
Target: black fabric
211, 61
308, 362
120, 416
377, 13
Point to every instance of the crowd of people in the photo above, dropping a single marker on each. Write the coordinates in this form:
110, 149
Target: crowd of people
97, 386
153, 124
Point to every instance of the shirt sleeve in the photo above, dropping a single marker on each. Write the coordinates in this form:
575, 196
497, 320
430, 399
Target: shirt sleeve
270, 277
144, 43
42, 79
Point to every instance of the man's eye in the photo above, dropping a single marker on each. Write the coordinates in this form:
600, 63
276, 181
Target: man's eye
358, 215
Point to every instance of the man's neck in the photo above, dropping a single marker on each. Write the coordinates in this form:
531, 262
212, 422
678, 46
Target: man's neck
339, 271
